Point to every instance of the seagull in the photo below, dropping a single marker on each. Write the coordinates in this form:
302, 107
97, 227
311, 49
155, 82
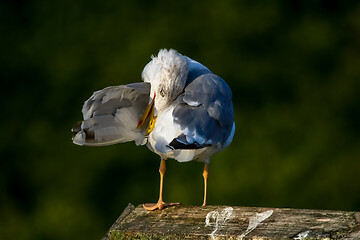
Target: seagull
181, 111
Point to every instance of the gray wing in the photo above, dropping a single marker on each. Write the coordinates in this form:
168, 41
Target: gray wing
111, 115
196, 69
204, 113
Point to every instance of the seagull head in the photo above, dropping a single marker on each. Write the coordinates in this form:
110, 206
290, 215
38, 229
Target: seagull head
167, 73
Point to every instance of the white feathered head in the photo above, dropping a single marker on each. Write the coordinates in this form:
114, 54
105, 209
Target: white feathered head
167, 73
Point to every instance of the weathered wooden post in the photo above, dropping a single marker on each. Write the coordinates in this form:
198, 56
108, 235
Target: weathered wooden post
226, 222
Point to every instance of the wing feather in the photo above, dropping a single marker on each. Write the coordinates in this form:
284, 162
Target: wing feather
210, 120
111, 115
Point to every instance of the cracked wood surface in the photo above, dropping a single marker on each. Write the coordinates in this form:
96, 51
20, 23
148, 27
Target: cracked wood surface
231, 222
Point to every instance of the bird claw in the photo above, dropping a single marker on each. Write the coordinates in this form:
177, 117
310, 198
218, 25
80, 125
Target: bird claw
160, 205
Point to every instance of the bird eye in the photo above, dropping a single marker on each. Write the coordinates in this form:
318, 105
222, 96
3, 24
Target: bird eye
162, 92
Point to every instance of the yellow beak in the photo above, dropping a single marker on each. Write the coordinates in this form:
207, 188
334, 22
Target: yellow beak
149, 112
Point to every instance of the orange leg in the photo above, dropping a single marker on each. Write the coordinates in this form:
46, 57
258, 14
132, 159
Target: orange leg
205, 175
160, 204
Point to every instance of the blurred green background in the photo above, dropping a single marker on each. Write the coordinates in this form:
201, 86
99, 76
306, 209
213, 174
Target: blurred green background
293, 67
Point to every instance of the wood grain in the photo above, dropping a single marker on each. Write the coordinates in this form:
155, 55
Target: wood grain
231, 222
